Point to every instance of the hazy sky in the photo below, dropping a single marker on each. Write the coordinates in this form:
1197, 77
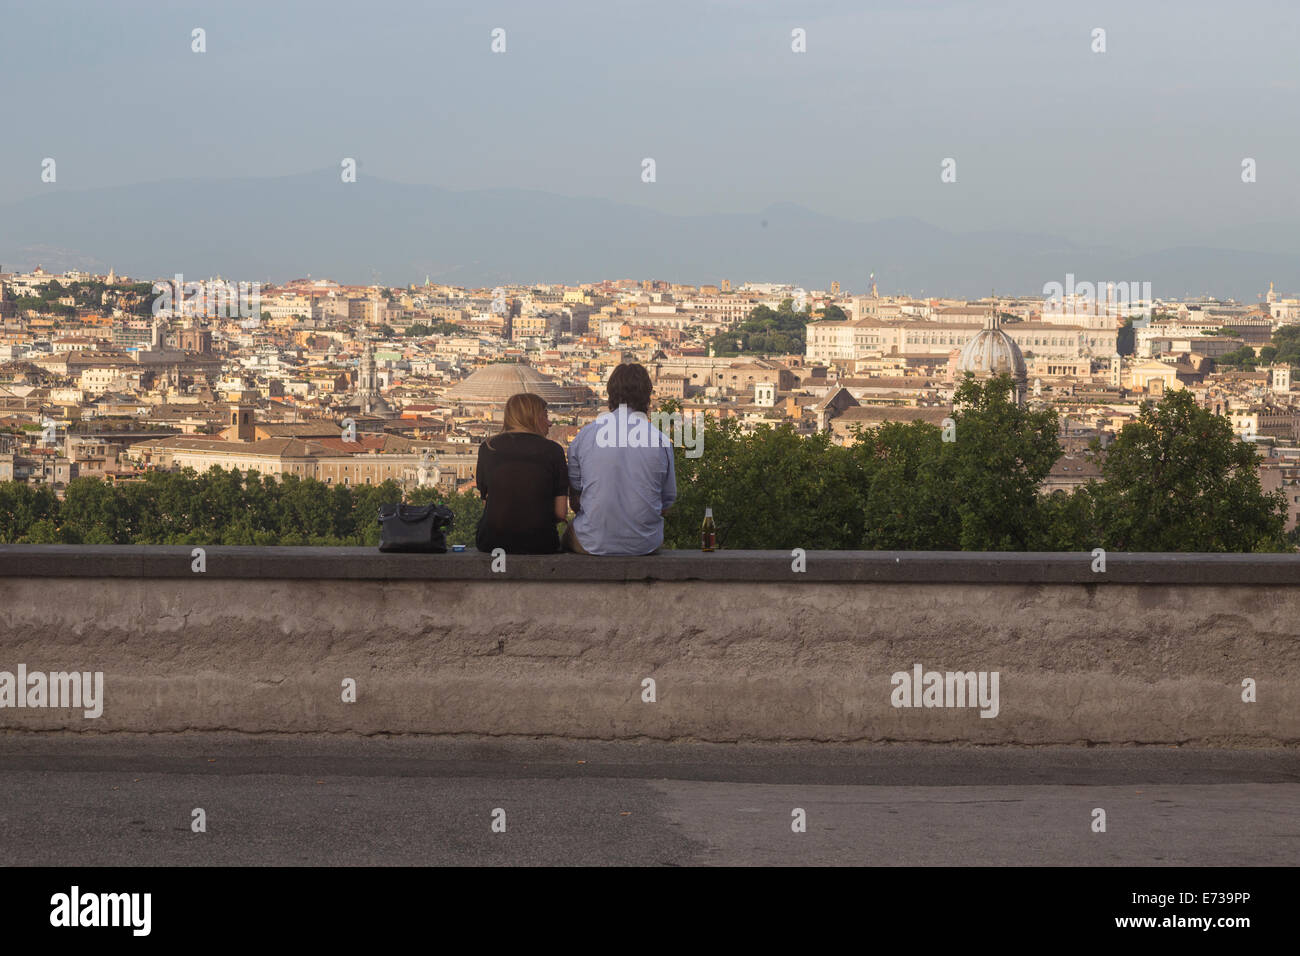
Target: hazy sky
1140, 145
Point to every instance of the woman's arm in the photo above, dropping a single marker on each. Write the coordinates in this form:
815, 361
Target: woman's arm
562, 489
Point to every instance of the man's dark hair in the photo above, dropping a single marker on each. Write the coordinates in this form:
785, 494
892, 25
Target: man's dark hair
630, 385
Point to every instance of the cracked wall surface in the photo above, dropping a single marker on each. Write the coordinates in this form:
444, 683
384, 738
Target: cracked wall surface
731, 660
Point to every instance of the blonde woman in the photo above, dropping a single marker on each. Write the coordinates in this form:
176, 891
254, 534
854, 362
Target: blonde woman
524, 481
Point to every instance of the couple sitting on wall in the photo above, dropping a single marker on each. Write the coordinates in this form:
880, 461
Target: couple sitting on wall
619, 479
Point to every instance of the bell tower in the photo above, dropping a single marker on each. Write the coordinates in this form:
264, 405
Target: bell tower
241, 420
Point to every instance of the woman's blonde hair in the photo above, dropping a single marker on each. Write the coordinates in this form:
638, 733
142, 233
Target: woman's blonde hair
524, 413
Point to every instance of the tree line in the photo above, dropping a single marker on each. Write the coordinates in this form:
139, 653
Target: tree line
138, 297
216, 507
1284, 350
1176, 479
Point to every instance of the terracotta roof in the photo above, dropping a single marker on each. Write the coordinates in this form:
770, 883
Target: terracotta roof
286, 447
869, 414
1074, 467
496, 383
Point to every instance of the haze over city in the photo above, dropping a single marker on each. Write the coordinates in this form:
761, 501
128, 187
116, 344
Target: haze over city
525, 165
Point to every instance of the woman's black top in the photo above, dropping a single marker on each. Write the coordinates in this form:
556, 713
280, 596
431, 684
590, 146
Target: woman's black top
520, 475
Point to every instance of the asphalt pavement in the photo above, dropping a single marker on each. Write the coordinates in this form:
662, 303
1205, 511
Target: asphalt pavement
112, 800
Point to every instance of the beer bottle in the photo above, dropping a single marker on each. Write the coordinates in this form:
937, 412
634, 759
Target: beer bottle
708, 532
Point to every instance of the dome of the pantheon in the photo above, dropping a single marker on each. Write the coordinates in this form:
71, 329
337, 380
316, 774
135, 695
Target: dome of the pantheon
993, 352
493, 384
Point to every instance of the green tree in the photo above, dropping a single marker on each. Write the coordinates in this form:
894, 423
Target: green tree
1243, 357
1287, 342
305, 509
1178, 479
765, 331
908, 503
1284, 350
93, 512
1002, 454
1067, 521
47, 531
21, 507
768, 489
978, 492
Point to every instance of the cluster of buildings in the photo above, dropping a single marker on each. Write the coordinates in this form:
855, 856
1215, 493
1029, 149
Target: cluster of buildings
361, 384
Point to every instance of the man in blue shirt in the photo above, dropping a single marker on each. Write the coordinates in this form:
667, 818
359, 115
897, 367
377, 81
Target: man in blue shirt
622, 480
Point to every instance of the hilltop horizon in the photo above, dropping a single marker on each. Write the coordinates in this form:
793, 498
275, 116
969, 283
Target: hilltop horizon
379, 231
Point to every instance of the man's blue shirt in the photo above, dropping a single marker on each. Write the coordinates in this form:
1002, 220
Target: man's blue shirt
623, 468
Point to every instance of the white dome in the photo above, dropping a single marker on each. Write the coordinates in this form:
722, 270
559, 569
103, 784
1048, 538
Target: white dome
493, 384
993, 352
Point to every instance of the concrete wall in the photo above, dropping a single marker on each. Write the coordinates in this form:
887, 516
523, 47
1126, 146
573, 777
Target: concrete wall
1153, 650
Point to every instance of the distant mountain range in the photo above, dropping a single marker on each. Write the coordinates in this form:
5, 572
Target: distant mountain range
374, 230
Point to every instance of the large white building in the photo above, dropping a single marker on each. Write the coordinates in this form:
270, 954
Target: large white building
287, 305
830, 341
724, 308
847, 341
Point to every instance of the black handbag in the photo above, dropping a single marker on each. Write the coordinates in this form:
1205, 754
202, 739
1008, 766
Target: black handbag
414, 528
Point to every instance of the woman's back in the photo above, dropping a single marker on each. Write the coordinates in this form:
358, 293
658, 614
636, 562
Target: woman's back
520, 474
